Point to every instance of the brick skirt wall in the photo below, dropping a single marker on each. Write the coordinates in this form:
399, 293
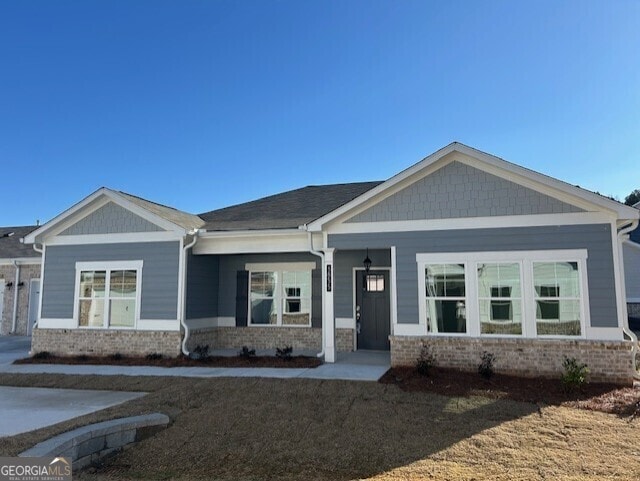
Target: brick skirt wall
94, 342
608, 361
256, 337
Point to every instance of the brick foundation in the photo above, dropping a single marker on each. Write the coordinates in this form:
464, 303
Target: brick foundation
72, 342
307, 338
608, 361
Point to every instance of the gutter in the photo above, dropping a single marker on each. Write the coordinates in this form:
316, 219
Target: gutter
321, 256
623, 235
14, 319
183, 304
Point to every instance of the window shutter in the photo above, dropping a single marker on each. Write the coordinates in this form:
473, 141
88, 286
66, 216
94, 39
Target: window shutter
316, 298
242, 297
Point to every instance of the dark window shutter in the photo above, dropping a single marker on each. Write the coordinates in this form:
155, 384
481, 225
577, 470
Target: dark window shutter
242, 297
316, 298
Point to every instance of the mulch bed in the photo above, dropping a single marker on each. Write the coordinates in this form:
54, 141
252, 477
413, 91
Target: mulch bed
608, 398
181, 361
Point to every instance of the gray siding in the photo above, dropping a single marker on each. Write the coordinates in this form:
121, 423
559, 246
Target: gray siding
231, 264
344, 262
159, 276
458, 190
595, 238
202, 286
111, 219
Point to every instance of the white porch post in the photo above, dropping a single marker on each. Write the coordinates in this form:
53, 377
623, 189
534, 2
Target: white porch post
328, 317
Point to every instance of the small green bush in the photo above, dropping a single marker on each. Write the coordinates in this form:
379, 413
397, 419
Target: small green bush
154, 356
246, 352
485, 368
42, 355
425, 361
285, 353
116, 356
575, 373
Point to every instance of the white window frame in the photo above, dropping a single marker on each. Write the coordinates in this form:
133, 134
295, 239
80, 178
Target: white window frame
439, 298
107, 266
278, 294
526, 260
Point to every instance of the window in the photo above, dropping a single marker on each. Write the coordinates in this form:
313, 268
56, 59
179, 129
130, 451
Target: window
557, 296
446, 301
500, 298
280, 297
511, 293
374, 282
108, 294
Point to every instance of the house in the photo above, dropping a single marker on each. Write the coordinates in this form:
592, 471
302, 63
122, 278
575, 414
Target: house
463, 250
632, 272
20, 267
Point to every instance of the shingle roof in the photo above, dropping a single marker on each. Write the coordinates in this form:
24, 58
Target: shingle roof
10, 245
286, 210
178, 217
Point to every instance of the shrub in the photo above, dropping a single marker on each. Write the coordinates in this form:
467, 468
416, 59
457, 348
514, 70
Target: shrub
42, 355
284, 353
154, 356
82, 358
200, 352
485, 368
246, 352
575, 373
425, 361
116, 356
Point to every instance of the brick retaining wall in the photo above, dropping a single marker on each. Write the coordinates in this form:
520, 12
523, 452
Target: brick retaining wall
608, 361
95, 342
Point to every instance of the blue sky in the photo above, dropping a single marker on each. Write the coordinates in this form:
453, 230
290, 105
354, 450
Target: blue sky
202, 104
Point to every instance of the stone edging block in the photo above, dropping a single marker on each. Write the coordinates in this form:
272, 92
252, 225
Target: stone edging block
87, 444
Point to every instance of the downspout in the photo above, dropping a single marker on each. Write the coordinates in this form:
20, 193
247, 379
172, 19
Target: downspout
14, 319
41, 252
183, 304
321, 256
622, 233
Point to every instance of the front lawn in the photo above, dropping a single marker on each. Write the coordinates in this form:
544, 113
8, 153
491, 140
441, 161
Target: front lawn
255, 429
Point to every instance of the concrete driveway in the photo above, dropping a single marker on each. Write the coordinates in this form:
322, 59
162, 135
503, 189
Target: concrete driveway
14, 347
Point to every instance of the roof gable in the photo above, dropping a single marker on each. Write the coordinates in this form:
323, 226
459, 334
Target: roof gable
111, 218
562, 191
460, 190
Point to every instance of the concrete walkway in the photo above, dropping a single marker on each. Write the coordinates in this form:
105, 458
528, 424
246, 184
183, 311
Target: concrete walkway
14, 347
27, 408
353, 366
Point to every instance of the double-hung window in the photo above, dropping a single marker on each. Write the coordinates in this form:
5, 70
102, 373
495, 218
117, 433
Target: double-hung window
512, 293
107, 294
280, 294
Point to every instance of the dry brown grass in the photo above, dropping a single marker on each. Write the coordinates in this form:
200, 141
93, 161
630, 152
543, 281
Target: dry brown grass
246, 429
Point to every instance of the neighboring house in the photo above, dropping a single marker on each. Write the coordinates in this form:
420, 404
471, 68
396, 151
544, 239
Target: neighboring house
463, 250
20, 267
632, 271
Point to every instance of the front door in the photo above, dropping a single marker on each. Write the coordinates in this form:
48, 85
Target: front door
372, 310
34, 300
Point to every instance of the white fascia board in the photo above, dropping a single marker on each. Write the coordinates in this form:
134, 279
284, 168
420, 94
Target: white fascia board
248, 242
492, 164
23, 261
491, 222
92, 203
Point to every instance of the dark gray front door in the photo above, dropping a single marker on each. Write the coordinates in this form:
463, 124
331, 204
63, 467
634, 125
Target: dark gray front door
372, 309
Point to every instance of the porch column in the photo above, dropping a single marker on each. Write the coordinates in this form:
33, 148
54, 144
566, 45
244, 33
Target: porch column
328, 318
